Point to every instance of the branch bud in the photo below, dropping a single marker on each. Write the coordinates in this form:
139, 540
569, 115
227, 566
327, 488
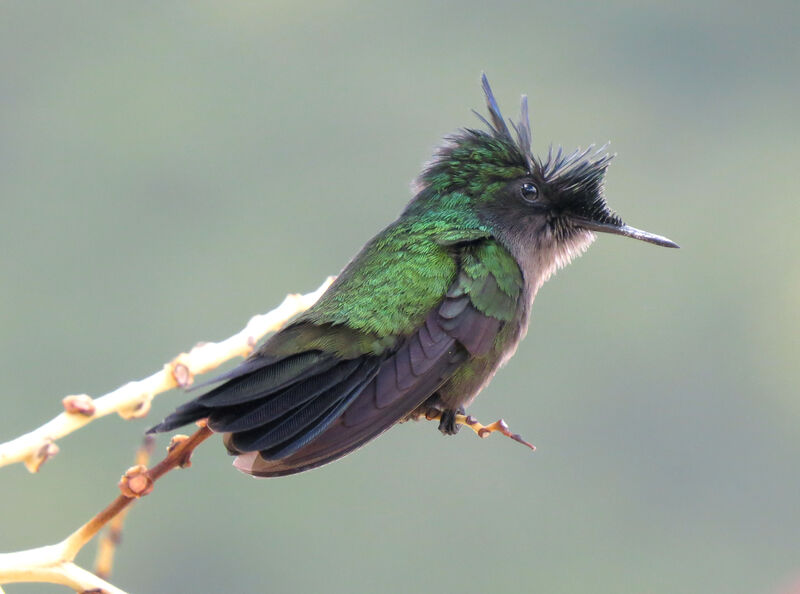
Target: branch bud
182, 375
42, 455
136, 482
80, 404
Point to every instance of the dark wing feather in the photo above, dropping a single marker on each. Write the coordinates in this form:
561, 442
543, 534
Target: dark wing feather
266, 381
249, 365
391, 396
317, 413
309, 408
451, 333
254, 414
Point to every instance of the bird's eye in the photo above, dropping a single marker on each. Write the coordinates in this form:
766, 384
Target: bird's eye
529, 191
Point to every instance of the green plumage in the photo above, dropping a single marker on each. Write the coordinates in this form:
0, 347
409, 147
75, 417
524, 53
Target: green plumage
491, 278
391, 285
424, 314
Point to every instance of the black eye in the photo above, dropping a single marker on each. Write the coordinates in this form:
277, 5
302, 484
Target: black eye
529, 191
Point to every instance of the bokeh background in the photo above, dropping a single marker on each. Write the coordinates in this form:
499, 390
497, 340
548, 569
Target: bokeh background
168, 170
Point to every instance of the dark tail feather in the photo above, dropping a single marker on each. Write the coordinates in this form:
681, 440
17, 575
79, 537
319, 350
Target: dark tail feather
283, 434
402, 382
188, 413
256, 384
342, 436
239, 418
252, 381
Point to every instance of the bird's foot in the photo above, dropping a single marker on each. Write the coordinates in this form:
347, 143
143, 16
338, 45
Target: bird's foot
458, 419
447, 421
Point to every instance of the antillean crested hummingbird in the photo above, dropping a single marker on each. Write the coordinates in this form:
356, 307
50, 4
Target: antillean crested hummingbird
425, 314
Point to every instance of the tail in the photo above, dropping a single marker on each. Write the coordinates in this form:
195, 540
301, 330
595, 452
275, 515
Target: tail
285, 416
279, 407
255, 381
183, 415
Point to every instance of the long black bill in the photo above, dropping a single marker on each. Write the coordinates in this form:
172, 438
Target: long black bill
625, 230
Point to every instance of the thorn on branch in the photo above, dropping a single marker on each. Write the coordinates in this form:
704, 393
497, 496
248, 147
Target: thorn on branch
79, 404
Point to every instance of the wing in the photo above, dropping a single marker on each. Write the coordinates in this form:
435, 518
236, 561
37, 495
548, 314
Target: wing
481, 300
293, 407
402, 382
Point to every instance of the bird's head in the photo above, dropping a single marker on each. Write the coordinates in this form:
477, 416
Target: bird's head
551, 205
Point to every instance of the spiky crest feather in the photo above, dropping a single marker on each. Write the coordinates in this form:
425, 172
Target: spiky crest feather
479, 161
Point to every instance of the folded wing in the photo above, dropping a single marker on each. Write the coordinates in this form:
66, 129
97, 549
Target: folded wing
282, 416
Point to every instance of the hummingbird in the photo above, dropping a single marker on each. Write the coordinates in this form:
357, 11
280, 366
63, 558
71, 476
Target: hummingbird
429, 309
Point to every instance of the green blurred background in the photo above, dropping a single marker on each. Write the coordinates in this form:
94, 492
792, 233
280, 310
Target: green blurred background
169, 169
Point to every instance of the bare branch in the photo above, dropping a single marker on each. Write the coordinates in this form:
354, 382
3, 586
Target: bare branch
133, 399
55, 563
111, 537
